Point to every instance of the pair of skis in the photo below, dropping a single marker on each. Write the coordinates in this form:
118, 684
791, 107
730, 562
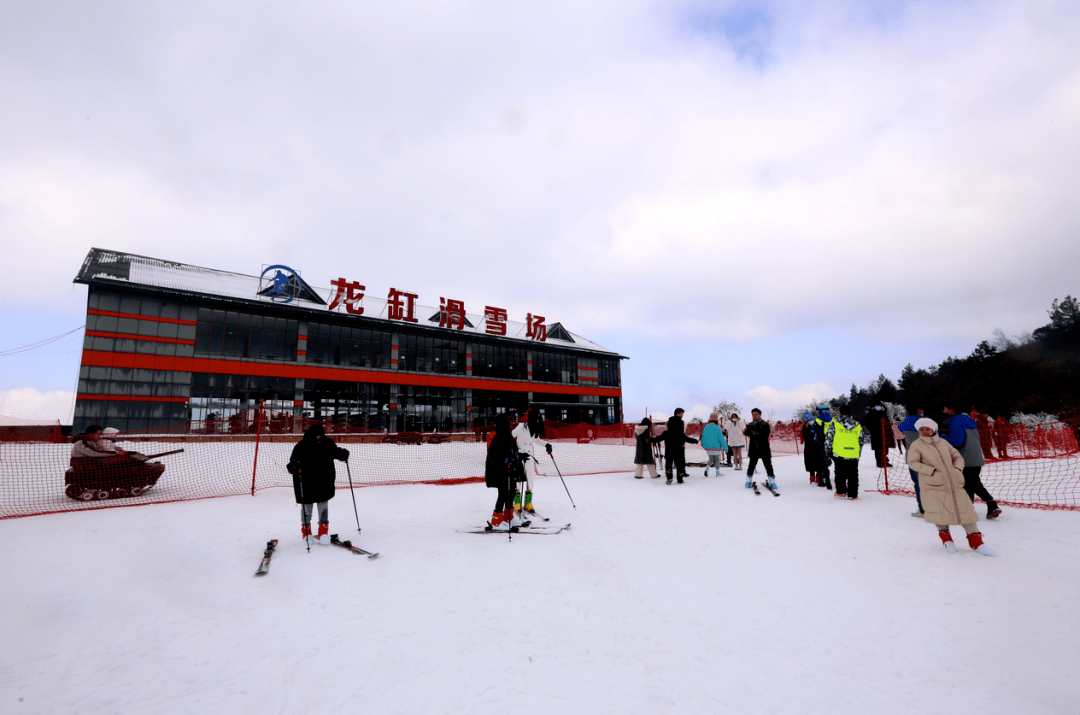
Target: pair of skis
271, 546
528, 518
767, 486
523, 529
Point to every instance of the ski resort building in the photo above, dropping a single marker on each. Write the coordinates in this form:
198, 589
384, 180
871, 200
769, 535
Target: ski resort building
169, 344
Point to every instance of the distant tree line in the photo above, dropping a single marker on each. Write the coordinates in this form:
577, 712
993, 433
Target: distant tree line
1033, 373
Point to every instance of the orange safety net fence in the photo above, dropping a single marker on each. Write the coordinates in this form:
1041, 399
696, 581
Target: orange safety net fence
249, 452
1031, 467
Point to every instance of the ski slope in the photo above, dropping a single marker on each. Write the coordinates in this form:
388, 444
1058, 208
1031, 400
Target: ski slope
693, 598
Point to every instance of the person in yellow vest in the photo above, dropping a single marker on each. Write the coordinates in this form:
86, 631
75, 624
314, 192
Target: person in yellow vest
844, 441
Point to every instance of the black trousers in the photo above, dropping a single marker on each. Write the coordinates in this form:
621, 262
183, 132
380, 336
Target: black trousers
847, 476
766, 459
505, 500
974, 487
675, 458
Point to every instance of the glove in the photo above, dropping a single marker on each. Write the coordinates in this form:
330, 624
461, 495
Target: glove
291, 469
524, 457
547, 447
828, 461
346, 457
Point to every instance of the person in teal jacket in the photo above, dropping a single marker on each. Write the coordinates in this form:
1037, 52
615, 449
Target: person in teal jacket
712, 440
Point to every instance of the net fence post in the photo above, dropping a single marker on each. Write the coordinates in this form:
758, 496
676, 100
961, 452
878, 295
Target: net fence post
258, 435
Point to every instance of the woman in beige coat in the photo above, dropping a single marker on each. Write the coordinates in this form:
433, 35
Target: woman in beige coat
941, 481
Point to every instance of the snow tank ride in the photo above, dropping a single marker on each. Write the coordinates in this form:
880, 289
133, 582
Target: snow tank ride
113, 477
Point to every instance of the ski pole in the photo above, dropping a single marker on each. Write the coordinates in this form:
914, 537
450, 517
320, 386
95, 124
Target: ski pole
303, 511
353, 493
548, 447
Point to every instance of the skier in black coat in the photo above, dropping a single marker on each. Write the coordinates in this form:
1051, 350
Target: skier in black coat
312, 467
758, 432
675, 440
503, 469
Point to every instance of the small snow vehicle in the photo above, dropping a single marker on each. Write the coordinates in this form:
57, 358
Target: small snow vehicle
113, 477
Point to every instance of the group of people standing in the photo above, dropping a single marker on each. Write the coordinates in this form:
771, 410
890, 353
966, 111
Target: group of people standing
944, 465
945, 462
717, 442
834, 442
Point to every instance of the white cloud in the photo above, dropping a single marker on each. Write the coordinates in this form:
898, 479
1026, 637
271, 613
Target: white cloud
26, 402
780, 404
658, 172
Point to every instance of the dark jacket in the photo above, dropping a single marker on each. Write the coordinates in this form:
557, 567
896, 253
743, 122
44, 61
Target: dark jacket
643, 454
674, 436
312, 466
503, 466
758, 432
813, 448
877, 424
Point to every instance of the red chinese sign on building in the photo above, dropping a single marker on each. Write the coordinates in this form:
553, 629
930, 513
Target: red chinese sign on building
496, 320
348, 293
401, 305
535, 328
396, 310
451, 314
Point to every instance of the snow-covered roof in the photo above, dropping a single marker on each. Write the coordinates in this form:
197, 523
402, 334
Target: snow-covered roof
112, 268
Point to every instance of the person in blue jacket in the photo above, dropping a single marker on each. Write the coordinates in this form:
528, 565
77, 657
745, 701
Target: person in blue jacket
712, 440
907, 428
962, 432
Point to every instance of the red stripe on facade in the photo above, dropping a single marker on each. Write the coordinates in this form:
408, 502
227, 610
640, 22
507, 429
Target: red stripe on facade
99, 358
298, 403
114, 314
130, 398
582, 367
301, 352
129, 336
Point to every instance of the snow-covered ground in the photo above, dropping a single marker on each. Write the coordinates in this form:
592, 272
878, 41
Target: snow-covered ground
699, 598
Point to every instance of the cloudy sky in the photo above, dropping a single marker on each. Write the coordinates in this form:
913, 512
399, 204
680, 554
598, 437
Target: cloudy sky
756, 202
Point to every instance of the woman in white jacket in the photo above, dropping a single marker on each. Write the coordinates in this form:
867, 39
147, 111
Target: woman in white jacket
736, 439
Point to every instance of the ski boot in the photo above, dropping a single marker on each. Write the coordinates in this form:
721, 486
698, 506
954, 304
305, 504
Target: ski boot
975, 542
324, 534
497, 522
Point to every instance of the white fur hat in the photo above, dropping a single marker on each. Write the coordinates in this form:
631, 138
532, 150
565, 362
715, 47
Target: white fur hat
925, 422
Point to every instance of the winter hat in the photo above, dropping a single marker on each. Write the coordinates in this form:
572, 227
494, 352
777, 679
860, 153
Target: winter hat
644, 421
807, 417
713, 417
109, 431
925, 422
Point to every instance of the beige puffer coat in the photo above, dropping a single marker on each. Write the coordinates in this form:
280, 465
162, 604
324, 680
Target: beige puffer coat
941, 482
